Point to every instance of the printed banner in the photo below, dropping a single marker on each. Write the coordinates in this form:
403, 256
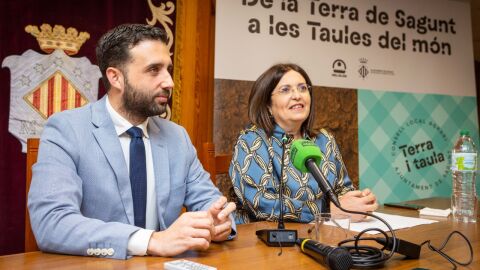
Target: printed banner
413, 46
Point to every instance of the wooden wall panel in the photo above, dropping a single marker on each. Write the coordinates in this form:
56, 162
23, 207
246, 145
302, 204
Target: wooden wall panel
193, 74
230, 113
336, 111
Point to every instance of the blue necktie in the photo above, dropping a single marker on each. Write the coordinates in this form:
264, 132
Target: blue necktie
138, 175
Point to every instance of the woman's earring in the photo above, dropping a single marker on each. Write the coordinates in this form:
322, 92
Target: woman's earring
270, 115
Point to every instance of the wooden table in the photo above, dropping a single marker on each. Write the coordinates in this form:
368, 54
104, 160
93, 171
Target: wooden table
249, 253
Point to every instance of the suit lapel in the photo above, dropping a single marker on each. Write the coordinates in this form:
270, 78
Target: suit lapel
108, 141
161, 168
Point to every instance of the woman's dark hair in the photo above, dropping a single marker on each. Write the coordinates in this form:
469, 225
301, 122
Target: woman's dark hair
261, 98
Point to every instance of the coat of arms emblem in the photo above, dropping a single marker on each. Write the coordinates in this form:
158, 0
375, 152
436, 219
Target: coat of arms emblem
43, 84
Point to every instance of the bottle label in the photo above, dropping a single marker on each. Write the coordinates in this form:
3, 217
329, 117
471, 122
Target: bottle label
464, 161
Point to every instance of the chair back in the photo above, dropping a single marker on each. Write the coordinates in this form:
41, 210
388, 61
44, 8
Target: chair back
214, 164
32, 152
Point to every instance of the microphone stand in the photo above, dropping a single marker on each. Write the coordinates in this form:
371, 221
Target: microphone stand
281, 225
279, 237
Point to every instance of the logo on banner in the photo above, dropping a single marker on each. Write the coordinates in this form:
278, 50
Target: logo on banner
339, 68
363, 70
420, 154
43, 84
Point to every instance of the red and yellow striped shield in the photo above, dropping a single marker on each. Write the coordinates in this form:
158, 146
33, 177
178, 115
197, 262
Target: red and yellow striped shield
55, 94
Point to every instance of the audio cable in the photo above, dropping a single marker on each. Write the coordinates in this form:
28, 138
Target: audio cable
365, 256
447, 257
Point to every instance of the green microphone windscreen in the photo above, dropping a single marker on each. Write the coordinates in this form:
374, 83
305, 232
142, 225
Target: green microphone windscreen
301, 151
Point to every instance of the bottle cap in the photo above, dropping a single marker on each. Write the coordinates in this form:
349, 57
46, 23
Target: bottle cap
464, 132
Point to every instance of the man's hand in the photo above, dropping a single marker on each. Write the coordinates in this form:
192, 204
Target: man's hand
220, 211
192, 230
357, 200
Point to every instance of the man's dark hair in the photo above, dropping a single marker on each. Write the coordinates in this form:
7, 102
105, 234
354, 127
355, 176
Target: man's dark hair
261, 98
113, 47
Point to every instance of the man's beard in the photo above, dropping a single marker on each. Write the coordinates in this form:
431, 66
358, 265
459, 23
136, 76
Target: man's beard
141, 104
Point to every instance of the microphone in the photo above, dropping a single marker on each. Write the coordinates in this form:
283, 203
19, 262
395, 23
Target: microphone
280, 236
306, 156
335, 258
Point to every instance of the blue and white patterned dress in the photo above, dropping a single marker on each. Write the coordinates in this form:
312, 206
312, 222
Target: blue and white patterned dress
256, 168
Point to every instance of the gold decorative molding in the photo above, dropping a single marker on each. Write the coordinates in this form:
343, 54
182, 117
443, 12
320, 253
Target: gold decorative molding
50, 39
178, 62
160, 15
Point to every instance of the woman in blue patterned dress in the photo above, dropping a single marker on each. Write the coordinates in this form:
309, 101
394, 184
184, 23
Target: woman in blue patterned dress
281, 104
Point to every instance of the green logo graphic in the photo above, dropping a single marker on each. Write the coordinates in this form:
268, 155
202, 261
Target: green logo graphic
405, 142
416, 149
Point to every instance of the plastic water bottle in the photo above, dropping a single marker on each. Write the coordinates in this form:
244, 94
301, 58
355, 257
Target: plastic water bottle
464, 168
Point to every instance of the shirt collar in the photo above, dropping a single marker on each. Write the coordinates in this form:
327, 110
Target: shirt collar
121, 124
278, 133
